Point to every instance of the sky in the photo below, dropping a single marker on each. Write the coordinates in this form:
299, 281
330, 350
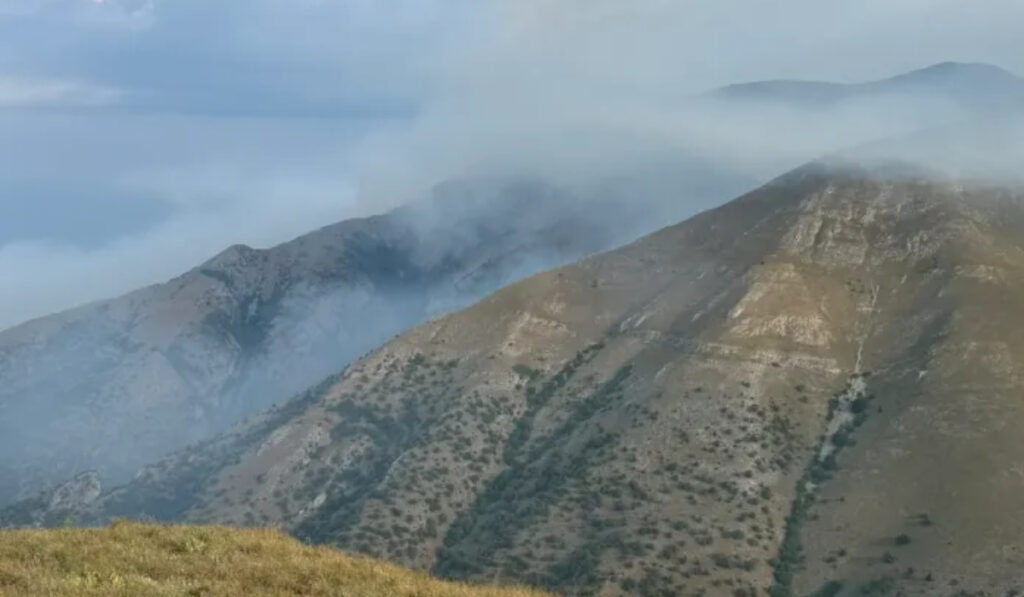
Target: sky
140, 137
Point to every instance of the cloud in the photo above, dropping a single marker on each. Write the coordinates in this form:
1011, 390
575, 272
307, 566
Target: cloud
251, 121
416, 52
57, 275
18, 92
116, 202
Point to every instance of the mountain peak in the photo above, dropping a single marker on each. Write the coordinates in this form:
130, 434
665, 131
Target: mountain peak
231, 256
970, 84
957, 68
958, 73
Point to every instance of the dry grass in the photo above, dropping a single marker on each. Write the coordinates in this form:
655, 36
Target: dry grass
145, 559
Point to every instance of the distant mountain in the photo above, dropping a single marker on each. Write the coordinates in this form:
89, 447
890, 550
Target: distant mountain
111, 386
814, 387
970, 85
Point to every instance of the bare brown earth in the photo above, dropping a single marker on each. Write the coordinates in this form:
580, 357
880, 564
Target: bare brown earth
814, 388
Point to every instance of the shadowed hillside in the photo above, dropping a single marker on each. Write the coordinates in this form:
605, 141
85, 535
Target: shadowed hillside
112, 386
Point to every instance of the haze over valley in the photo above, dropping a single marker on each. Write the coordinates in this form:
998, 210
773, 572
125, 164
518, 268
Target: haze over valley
597, 298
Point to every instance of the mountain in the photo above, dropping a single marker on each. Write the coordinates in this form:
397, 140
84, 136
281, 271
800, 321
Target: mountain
811, 388
114, 385
133, 559
977, 87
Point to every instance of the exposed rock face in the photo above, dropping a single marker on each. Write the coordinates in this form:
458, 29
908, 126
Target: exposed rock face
77, 493
816, 383
112, 386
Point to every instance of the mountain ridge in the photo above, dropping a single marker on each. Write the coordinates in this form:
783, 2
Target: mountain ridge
111, 385
977, 86
705, 409
250, 327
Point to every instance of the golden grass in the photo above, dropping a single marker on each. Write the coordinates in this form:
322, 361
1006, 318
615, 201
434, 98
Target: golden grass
147, 559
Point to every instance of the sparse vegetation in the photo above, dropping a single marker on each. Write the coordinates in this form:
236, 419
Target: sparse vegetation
831, 588
820, 469
130, 559
655, 449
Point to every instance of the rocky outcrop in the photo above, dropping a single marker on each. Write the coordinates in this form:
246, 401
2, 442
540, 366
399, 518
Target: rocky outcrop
76, 494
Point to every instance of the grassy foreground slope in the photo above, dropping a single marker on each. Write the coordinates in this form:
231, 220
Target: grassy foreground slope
148, 559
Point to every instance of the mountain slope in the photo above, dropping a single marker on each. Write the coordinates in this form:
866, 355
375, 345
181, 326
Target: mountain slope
132, 559
813, 384
113, 385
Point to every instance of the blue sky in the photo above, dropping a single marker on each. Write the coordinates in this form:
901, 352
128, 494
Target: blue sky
138, 137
